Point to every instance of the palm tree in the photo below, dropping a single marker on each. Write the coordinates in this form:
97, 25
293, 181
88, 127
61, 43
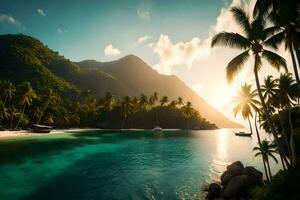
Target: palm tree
164, 100
269, 89
188, 111
286, 30
173, 104
143, 101
266, 150
108, 101
253, 42
286, 97
180, 101
48, 99
8, 90
246, 103
3, 112
13, 113
27, 94
126, 107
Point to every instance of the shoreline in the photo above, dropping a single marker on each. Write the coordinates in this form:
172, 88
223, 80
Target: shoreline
22, 133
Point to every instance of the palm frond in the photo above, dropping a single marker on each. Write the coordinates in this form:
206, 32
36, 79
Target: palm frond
235, 65
242, 19
271, 31
275, 60
233, 40
274, 158
275, 40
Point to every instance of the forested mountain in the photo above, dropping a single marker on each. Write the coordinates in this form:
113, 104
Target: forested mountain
23, 58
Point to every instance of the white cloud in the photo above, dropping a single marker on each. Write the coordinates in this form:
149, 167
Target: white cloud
41, 12
143, 39
111, 51
181, 53
8, 19
142, 14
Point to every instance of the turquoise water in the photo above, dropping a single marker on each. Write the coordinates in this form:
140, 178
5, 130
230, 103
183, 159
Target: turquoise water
118, 164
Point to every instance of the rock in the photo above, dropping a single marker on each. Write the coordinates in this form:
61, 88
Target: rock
237, 187
236, 168
213, 191
256, 177
225, 178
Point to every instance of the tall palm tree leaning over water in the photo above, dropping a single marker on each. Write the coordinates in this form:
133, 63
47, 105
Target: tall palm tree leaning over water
252, 43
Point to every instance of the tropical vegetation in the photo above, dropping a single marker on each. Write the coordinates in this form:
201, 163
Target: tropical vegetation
274, 104
22, 105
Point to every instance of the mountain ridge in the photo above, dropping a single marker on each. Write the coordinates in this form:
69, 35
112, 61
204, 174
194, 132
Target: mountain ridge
24, 58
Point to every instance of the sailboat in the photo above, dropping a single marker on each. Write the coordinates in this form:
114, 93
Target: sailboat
157, 127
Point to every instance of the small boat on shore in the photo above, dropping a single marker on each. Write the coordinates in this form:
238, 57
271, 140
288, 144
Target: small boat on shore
157, 128
38, 128
244, 134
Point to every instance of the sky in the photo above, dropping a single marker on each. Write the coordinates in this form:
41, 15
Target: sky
172, 36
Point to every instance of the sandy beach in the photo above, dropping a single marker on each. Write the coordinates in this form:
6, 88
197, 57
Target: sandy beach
21, 133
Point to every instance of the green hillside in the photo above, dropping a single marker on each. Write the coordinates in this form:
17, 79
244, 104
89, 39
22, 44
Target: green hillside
23, 58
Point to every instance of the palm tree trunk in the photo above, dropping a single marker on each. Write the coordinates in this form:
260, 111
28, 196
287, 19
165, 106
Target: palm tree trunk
269, 120
294, 63
292, 143
22, 113
259, 143
11, 121
284, 133
269, 169
250, 126
296, 47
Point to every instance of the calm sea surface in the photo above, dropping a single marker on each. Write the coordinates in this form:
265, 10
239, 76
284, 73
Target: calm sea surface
121, 165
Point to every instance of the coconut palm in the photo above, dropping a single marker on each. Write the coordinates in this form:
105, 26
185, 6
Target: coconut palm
7, 90
126, 107
180, 101
143, 102
269, 89
27, 94
48, 99
266, 150
3, 112
246, 103
188, 111
285, 95
164, 100
13, 114
285, 30
107, 101
252, 44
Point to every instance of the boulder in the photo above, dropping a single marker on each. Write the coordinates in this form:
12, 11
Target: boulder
237, 187
256, 177
213, 191
225, 178
236, 168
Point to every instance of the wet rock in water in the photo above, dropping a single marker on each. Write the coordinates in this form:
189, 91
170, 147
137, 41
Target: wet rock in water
236, 168
256, 177
213, 191
237, 187
225, 178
